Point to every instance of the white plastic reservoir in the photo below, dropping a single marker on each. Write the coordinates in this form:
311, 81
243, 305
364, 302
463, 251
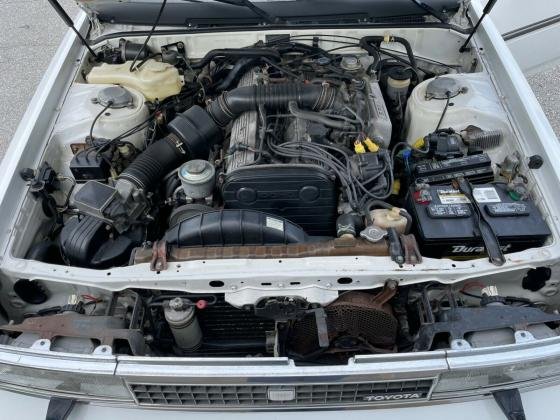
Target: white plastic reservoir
477, 104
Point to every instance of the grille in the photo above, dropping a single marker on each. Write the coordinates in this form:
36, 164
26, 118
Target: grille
256, 396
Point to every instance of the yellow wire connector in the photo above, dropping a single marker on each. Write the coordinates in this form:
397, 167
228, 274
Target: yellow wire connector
396, 187
419, 144
371, 146
359, 147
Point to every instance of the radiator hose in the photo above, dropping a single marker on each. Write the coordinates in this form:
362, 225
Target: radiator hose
195, 131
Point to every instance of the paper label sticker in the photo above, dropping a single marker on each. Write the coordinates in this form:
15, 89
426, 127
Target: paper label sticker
486, 195
452, 197
273, 223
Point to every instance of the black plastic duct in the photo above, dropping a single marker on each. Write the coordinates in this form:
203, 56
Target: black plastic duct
190, 138
234, 227
196, 130
231, 105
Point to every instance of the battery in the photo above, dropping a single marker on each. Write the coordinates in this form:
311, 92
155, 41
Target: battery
446, 223
476, 168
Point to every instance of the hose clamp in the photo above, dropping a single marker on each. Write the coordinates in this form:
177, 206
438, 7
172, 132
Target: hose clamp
178, 144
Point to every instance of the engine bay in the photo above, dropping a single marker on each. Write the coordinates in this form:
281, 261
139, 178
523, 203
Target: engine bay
282, 149
284, 143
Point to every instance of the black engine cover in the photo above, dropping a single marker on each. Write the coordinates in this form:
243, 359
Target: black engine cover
304, 194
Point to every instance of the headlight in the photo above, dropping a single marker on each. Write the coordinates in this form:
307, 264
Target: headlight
86, 377
81, 385
484, 371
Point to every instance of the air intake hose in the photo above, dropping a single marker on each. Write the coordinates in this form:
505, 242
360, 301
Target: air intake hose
192, 134
195, 131
231, 105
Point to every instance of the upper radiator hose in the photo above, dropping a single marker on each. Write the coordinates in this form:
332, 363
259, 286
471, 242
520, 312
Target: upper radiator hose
195, 131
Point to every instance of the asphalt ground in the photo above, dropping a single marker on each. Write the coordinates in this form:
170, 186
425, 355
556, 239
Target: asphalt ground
30, 32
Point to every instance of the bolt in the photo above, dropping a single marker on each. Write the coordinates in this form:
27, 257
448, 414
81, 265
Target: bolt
391, 284
176, 304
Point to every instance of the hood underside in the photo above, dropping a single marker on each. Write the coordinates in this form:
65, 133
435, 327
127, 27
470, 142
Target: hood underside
216, 13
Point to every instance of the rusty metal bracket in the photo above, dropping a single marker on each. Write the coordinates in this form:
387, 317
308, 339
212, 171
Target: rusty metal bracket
159, 256
105, 329
322, 328
412, 253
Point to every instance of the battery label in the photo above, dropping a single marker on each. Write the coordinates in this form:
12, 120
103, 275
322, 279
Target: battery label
448, 211
452, 197
508, 209
486, 195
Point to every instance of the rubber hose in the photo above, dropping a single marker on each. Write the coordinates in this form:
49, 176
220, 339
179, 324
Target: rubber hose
237, 53
235, 73
248, 98
377, 39
154, 163
349, 224
194, 131
318, 118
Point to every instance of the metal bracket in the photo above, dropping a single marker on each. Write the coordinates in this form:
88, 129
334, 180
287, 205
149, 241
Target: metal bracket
103, 350
523, 336
460, 344
42, 344
411, 250
322, 328
59, 408
510, 402
159, 256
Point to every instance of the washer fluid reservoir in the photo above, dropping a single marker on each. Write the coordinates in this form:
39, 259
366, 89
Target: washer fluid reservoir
154, 79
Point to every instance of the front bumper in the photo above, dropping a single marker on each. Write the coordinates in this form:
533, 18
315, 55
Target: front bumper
537, 405
277, 384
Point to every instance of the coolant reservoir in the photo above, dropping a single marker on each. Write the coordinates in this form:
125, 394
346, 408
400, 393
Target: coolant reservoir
156, 80
385, 219
473, 101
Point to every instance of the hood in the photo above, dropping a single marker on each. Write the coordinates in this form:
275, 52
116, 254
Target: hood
199, 13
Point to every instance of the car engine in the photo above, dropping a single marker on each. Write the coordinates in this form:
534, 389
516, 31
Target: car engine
281, 149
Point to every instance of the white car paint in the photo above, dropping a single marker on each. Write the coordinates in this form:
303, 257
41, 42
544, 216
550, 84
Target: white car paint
532, 31
39, 119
